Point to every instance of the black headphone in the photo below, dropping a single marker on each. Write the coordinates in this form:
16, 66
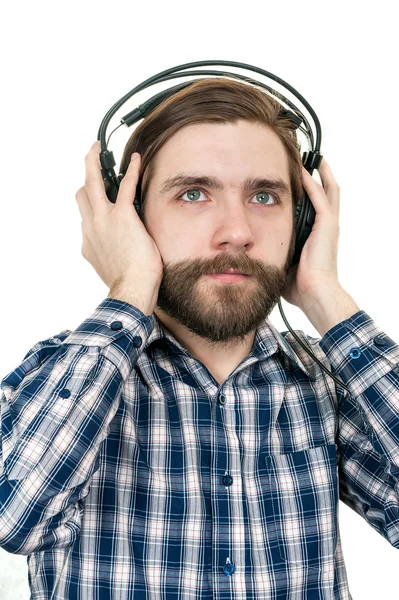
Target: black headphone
304, 214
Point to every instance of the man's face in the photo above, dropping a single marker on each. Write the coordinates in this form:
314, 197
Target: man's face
218, 229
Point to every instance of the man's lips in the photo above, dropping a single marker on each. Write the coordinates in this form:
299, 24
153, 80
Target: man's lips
228, 277
229, 272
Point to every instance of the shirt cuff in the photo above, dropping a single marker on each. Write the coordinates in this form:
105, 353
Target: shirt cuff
118, 328
360, 353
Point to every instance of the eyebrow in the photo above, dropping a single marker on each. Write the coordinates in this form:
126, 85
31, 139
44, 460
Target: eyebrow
251, 183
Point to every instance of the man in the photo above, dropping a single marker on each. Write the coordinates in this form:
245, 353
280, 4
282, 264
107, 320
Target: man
194, 454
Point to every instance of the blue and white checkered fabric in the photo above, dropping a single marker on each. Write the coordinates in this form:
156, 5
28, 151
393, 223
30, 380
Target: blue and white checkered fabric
127, 472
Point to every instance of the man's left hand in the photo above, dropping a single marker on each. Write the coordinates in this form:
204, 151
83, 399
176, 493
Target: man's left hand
317, 269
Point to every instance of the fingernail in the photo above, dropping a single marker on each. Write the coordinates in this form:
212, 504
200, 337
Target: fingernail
134, 156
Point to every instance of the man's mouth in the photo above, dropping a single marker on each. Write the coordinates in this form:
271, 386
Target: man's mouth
228, 277
230, 272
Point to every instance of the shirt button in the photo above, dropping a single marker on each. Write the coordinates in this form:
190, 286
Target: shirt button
65, 393
137, 341
227, 480
116, 325
354, 353
222, 399
379, 340
229, 569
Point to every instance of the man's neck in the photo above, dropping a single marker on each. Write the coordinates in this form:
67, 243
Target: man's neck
220, 359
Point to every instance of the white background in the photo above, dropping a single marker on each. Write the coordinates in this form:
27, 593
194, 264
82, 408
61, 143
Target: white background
64, 66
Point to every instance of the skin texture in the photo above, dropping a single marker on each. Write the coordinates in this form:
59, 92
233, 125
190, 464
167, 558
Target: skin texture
216, 321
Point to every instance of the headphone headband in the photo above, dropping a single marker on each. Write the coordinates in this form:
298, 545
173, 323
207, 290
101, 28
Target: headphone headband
304, 214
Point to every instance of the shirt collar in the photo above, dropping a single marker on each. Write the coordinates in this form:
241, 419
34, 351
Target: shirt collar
267, 341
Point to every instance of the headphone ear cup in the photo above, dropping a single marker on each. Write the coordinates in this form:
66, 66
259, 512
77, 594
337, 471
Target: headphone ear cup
138, 201
137, 205
137, 197
304, 220
110, 189
298, 210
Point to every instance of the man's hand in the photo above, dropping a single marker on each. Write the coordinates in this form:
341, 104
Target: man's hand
115, 241
317, 270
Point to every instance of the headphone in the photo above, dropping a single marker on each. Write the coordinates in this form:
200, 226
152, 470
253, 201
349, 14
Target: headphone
304, 214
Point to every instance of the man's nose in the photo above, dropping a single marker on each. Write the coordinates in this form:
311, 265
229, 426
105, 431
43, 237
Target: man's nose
234, 223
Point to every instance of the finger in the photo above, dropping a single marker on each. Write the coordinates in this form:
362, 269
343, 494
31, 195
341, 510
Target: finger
94, 183
330, 185
316, 193
325, 196
127, 188
85, 209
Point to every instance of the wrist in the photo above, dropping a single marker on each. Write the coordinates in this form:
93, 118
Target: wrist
127, 295
330, 307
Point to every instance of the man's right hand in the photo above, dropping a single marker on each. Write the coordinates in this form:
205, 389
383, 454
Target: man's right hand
115, 240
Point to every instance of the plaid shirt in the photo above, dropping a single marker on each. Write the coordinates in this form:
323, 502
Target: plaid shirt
127, 472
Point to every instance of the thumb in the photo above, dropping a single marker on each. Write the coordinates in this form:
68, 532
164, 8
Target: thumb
127, 188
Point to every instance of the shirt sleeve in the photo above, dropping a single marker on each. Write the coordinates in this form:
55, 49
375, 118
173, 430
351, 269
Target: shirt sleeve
55, 412
367, 361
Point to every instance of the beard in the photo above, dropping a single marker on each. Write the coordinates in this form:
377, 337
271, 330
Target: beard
222, 313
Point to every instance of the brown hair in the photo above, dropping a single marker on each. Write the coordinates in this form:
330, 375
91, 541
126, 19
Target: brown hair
212, 100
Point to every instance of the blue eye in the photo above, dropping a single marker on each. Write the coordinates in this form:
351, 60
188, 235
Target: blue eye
191, 192
194, 200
